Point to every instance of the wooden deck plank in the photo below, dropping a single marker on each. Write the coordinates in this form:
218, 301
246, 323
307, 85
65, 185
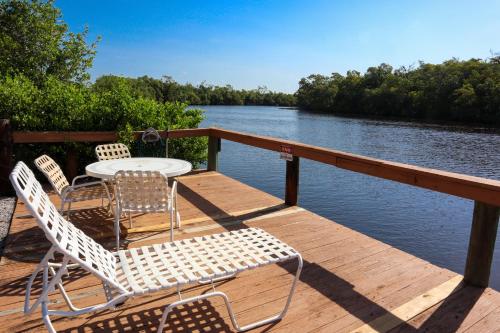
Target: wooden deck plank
348, 279
413, 308
456, 313
489, 324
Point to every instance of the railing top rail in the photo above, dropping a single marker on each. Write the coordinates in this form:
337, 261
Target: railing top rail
92, 136
470, 187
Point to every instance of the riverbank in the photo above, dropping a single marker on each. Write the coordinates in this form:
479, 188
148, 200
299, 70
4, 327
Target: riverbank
445, 124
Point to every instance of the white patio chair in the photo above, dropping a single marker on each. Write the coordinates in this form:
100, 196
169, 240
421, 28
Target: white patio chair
144, 192
112, 151
139, 271
74, 192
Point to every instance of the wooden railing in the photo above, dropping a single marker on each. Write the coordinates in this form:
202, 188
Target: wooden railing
485, 192
71, 156
54, 137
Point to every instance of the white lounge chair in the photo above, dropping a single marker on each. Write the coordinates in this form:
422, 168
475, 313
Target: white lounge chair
143, 270
112, 151
74, 192
144, 192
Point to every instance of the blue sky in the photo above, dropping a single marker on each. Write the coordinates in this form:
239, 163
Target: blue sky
275, 43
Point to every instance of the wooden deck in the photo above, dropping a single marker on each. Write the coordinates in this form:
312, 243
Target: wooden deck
350, 282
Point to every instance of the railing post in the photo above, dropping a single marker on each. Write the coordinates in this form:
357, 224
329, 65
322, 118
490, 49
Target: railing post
6, 157
214, 145
292, 181
71, 164
481, 244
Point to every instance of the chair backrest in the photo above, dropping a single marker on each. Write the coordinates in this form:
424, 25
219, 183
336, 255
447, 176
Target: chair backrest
64, 236
112, 151
141, 191
53, 172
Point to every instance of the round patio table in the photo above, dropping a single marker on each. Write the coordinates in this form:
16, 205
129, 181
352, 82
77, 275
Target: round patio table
169, 167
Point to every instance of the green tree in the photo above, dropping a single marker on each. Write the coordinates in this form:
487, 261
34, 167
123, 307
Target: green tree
36, 43
464, 91
168, 90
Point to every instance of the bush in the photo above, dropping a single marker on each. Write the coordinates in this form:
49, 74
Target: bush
63, 106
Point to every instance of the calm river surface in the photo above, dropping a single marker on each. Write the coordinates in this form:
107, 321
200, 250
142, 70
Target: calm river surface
430, 225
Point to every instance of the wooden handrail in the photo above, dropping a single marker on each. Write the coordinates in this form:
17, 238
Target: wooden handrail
54, 137
470, 187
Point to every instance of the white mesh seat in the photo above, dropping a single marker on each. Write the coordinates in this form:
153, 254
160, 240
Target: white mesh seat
144, 192
151, 268
134, 272
112, 151
74, 192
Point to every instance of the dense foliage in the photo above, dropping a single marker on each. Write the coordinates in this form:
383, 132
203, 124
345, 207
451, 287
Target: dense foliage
36, 43
464, 91
167, 90
43, 87
61, 106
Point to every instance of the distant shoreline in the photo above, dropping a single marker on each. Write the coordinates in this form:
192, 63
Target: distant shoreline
476, 127
438, 123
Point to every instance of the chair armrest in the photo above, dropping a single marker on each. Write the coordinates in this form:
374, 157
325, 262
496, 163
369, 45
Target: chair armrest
74, 187
73, 183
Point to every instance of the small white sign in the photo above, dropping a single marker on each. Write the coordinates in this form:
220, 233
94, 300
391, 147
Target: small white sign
286, 153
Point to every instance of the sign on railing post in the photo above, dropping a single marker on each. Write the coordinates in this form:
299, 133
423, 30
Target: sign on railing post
286, 153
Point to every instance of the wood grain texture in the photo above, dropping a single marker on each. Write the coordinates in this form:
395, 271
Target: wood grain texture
348, 279
412, 308
89, 136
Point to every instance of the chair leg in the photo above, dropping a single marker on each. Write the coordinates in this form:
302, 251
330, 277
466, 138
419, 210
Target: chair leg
69, 211
45, 310
46, 318
63, 291
171, 225
110, 198
41, 267
238, 328
130, 219
62, 206
117, 230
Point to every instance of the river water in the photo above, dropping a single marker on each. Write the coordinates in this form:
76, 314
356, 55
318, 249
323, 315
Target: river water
430, 225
